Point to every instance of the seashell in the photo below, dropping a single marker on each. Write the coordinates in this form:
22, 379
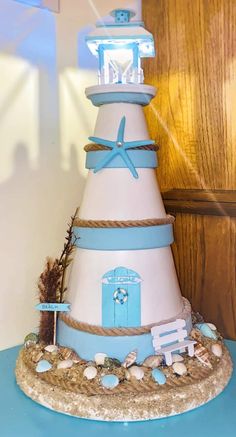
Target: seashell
130, 359
65, 353
153, 361
109, 381
65, 364
127, 375
111, 363
217, 350
202, 354
206, 331
90, 372
179, 368
99, 358
196, 335
75, 357
52, 348
136, 372
36, 356
158, 376
31, 339
212, 326
43, 366
177, 358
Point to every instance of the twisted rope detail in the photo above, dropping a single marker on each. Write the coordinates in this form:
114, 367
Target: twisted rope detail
126, 387
82, 223
97, 147
100, 330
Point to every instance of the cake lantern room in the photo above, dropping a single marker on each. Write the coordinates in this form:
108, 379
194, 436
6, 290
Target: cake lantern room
119, 47
123, 275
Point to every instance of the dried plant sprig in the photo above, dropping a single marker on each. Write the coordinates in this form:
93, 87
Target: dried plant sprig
51, 283
48, 285
66, 255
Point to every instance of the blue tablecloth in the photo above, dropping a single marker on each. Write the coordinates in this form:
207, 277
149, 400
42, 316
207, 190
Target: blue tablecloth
21, 417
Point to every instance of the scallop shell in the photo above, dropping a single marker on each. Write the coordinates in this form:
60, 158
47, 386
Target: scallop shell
90, 372
130, 359
179, 368
153, 361
136, 372
109, 381
217, 350
43, 366
177, 358
202, 354
99, 358
65, 364
52, 348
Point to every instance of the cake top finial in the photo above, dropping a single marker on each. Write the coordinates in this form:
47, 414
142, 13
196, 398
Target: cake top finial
122, 15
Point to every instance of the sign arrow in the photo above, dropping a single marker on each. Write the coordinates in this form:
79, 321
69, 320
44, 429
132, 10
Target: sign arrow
53, 307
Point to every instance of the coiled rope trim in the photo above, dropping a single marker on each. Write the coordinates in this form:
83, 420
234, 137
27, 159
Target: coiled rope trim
100, 330
97, 147
92, 388
82, 223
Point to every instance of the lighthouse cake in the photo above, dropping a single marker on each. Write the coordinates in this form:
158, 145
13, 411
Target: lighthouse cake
117, 341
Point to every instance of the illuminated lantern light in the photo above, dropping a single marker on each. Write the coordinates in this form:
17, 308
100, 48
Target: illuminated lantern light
119, 47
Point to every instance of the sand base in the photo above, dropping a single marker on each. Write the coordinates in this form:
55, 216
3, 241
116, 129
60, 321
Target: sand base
126, 407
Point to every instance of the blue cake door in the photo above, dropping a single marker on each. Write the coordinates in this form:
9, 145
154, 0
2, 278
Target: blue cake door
121, 298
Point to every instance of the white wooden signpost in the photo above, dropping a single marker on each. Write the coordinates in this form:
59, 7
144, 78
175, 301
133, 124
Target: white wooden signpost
55, 307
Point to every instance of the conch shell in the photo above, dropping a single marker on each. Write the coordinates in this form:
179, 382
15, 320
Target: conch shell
130, 359
202, 354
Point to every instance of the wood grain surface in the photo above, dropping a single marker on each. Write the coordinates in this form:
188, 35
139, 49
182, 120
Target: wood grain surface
193, 121
206, 202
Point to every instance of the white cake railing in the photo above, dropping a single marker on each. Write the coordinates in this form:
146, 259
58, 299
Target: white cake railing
172, 337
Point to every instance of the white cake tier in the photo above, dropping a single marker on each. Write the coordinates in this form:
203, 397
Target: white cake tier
110, 115
114, 194
122, 103
155, 282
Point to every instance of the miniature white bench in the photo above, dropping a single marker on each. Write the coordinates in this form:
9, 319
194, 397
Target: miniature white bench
174, 333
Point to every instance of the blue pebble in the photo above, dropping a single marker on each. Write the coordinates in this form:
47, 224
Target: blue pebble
206, 330
159, 376
110, 381
43, 366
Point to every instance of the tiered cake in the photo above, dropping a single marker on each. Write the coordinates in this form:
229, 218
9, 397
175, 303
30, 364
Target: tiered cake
129, 331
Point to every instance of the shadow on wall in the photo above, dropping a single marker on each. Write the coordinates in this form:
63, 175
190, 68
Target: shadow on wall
45, 120
41, 171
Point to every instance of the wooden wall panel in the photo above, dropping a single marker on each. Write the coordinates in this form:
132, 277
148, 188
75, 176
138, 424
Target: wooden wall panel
193, 113
204, 252
193, 121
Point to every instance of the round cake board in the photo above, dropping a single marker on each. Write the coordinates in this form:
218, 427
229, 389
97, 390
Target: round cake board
166, 401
